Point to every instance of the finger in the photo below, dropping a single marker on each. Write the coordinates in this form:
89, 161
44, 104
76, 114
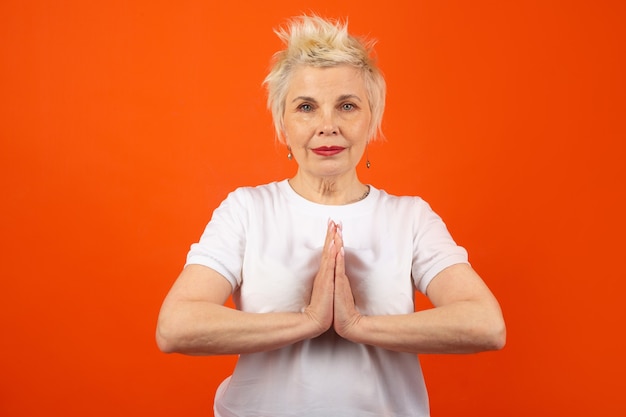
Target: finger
338, 238
343, 290
343, 300
329, 252
340, 262
329, 243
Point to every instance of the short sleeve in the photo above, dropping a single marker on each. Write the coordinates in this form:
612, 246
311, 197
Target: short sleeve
434, 249
222, 244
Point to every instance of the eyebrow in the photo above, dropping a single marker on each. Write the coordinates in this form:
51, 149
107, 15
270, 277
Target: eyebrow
341, 98
349, 96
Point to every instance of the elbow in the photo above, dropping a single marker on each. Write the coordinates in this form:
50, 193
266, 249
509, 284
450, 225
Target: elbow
163, 343
166, 338
485, 334
498, 340
491, 333
494, 335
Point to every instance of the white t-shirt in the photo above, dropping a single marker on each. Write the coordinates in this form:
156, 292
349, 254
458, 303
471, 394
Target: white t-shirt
267, 242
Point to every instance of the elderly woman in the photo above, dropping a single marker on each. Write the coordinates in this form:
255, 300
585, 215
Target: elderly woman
323, 268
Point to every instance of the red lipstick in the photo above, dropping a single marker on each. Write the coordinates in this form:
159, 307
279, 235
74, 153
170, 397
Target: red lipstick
328, 150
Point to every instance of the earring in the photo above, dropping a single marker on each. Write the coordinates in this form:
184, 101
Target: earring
367, 157
289, 155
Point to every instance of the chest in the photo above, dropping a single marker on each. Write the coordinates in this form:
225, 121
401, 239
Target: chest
282, 258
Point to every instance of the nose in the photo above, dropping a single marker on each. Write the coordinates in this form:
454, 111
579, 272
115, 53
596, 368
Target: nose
328, 131
328, 125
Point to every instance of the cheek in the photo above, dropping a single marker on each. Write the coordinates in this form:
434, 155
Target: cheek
297, 130
359, 128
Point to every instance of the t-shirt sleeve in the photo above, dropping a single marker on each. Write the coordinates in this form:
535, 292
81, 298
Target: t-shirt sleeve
221, 246
434, 249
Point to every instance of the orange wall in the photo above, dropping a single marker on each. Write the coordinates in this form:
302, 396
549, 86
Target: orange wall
123, 124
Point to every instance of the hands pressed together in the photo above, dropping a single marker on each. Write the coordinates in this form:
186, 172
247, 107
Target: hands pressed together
332, 301
466, 317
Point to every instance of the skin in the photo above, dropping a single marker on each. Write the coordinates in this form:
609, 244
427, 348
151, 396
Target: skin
328, 107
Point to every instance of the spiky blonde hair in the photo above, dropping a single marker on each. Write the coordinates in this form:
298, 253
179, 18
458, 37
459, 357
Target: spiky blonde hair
318, 42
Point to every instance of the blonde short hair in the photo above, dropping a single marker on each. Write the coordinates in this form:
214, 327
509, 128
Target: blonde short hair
319, 42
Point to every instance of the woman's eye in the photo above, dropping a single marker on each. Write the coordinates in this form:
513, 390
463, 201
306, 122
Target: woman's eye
305, 107
347, 106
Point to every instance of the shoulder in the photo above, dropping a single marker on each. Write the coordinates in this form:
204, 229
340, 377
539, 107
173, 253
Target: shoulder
413, 212
257, 192
247, 200
408, 202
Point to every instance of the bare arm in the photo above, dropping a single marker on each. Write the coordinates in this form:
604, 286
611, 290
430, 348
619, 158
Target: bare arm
466, 317
193, 319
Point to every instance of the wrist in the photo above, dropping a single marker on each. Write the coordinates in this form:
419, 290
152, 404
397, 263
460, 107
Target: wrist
353, 329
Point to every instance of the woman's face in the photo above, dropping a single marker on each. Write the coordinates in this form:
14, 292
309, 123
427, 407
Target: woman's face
327, 119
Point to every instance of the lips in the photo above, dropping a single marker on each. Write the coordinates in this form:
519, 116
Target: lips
328, 150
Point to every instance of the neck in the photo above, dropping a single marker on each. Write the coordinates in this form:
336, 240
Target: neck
331, 190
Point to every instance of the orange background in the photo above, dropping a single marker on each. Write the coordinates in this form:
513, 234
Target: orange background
123, 124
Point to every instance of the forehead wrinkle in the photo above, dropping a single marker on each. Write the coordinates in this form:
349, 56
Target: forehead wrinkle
304, 98
348, 96
340, 98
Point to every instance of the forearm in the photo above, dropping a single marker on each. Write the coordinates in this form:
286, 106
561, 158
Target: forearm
463, 327
201, 328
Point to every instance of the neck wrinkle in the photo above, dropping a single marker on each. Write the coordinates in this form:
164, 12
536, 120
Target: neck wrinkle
329, 191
